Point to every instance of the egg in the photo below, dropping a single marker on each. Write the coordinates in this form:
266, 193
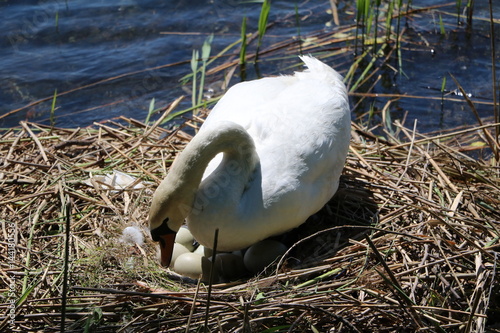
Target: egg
184, 237
204, 251
263, 253
177, 251
192, 265
229, 266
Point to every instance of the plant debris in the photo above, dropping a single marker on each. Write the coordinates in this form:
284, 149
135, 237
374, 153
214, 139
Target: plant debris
409, 241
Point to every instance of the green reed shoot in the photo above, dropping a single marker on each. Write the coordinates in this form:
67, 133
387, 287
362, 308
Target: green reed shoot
371, 113
53, 110
263, 19
297, 22
398, 42
458, 5
150, 110
441, 26
388, 21
57, 21
398, 22
362, 9
470, 13
375, 31
369, 20
443, 90
205, 54
194, 69
243, 49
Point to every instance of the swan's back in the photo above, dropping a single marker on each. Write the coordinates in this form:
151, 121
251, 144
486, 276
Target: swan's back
301, 128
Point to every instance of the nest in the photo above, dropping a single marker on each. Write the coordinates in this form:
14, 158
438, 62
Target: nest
409, 243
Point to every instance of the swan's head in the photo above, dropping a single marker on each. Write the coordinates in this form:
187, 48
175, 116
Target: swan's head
168, 210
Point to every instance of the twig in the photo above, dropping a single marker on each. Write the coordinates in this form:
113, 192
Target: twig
494, 144
171, 107
64, 296
35, 138
211, 278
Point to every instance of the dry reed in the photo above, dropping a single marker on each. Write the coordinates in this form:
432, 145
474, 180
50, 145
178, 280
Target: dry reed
410, 239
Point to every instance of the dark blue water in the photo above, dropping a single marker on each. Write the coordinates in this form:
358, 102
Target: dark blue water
109, 58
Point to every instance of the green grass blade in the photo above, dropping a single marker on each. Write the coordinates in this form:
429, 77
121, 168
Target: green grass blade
263, 18
53, 109
205, 54
441, 26
194, 69
388, 21
297, 22
188, 77
458, 5
243, 49
150, 110
24, 296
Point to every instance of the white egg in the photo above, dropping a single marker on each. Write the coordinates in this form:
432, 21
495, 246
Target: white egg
263, 253
132, 236
204, 251
185, 238
192, 265
229, 266
177, 251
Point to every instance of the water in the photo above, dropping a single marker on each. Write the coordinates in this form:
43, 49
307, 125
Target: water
111, 57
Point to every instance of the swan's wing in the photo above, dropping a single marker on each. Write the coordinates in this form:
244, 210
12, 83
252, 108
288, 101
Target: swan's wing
246, 104
246, 101
301, 128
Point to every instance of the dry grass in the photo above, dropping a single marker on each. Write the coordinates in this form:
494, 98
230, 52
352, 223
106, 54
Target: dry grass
409, 241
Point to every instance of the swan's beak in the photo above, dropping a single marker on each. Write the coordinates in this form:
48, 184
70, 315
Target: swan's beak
166, 237
166, 248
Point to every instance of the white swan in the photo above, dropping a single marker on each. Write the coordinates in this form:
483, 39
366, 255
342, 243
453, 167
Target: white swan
268, 156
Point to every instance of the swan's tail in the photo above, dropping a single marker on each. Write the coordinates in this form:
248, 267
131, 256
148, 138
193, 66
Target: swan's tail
320, 70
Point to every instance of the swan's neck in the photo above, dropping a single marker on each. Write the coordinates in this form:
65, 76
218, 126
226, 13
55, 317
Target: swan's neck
233, 173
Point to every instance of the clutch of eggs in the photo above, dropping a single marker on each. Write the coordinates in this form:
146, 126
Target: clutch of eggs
195, 262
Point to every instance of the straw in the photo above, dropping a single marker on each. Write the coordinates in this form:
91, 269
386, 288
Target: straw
429, 220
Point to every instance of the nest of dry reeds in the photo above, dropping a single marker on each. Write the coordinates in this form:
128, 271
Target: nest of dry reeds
409, 243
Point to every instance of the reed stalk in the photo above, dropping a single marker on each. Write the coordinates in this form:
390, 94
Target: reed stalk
243, 49
262, 25
53, 109
205, 54
194, 69
494, 82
